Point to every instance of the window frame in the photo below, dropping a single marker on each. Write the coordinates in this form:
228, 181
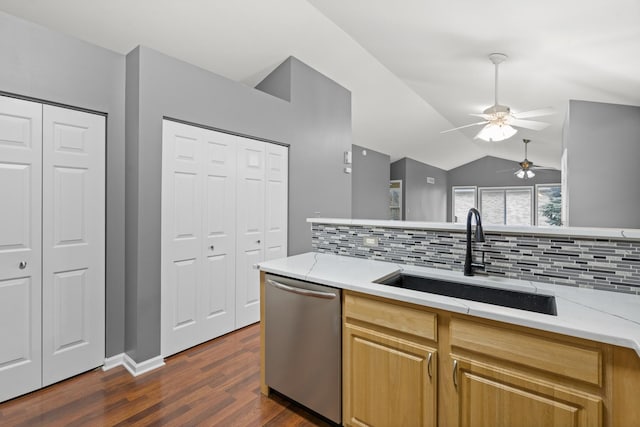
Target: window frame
453, 200
505, 189
536, 201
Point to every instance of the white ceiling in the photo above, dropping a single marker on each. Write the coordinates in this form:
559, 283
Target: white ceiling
414, 67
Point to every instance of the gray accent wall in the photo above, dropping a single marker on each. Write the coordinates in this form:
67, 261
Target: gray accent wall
492, 171
421, 200
316, 124
52, 67
369, 183
603, 177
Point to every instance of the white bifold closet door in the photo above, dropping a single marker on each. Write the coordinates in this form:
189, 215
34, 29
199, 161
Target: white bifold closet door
224, 209
20, 247
52, 242
262, 219
73, 242
198, 235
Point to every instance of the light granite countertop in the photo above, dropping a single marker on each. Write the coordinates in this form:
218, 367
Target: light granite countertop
607, 317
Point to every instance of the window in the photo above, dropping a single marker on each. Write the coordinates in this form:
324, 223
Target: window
548, 204
464, 198
507, 205
395, 199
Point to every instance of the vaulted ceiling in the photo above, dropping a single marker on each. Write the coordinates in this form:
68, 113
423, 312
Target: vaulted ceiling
414, 67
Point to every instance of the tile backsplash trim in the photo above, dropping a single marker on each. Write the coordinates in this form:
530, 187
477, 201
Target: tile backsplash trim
606, 264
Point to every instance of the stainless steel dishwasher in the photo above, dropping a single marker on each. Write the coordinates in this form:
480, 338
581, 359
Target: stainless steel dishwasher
303, 344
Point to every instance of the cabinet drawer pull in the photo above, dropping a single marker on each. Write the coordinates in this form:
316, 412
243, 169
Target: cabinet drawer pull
455, 374
429, 361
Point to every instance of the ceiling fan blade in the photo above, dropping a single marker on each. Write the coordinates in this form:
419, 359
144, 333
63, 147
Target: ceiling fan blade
465, 126
534, 113
543, 168
527, 124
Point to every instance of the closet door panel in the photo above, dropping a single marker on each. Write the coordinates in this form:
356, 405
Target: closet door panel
250, 230
182, 236
276, 209
73, 242
20, 242
219, 225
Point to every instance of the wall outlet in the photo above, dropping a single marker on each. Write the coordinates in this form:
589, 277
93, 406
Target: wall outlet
431, 180
347, 170
371, 241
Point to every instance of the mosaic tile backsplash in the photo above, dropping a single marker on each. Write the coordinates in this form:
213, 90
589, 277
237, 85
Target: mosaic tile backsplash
611, 265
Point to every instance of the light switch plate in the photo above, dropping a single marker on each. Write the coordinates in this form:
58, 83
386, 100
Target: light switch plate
347, 157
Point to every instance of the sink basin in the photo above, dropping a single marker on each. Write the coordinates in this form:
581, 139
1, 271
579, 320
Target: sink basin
545, 304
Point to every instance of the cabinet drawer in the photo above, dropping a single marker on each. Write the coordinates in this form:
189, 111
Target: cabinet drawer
547, 354
402, 318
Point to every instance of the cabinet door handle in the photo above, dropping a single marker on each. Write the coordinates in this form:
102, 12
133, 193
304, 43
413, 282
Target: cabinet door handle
429, 361
455, 374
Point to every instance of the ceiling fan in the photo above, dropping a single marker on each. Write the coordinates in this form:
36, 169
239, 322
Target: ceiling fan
527, 167
499, 120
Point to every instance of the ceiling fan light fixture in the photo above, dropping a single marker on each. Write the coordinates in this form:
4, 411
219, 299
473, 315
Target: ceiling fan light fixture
525, 174
496, 132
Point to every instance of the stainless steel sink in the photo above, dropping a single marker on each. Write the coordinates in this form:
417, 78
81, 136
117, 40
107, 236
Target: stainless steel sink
545, 304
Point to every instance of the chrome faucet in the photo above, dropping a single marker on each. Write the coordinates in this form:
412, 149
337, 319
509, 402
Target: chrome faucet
469, 265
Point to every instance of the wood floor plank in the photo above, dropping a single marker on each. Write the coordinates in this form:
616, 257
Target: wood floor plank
214, 384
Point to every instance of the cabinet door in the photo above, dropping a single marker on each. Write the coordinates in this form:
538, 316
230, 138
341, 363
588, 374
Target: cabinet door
73, 248
489, 396
388, 381
250, 237
20, 246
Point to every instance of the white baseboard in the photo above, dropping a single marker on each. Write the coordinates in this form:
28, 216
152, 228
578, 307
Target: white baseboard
136, 368
113, 361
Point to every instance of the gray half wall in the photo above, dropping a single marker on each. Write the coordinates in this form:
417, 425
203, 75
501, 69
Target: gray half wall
49, 66
316, 124
369, 184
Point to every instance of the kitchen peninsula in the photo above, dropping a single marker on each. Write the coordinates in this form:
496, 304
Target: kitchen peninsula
416, 358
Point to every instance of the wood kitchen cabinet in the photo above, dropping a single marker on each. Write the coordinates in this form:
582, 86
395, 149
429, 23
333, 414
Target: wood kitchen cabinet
506, 377
481, 372
490, 396
389, 364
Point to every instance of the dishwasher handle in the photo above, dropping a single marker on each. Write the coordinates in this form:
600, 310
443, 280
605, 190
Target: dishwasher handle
300, 291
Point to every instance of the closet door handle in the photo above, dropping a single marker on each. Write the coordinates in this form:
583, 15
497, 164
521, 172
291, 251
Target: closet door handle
211, 247
258, 241
429, 362
22, 265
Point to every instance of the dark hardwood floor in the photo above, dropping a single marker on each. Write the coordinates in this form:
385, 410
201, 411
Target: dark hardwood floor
214, 384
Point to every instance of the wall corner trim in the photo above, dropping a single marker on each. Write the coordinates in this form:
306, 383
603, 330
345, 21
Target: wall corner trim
136, 369
113, 361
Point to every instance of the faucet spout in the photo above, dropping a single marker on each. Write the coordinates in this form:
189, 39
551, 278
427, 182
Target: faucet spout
469, 265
